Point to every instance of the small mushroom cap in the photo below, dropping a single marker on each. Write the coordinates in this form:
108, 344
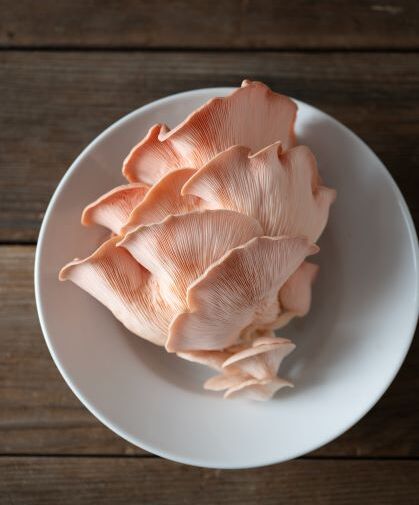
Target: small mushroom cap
164, 199
295, 295
257, 390
112, 210
246, 369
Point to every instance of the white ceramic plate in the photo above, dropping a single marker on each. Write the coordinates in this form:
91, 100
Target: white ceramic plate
349, 348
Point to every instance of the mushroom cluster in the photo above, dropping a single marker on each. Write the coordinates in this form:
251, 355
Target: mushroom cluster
209, 238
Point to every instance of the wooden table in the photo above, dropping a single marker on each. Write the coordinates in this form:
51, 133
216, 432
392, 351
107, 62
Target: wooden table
67, 71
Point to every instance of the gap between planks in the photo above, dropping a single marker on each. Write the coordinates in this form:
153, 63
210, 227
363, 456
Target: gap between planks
181, 49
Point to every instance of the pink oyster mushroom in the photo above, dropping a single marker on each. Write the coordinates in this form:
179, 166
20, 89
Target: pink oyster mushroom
210, 239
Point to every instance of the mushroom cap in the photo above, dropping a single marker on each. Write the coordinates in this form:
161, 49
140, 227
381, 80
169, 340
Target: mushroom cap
164, 199
248, 369
252, 115
238, 290
126, 288
295, 295
112, 210
180, 248
278, 188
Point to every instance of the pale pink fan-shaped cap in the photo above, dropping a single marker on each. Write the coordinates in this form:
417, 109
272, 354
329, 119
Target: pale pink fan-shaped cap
295, 295
126, 288
238, 290
113, 209
254, 389
279, 189
252, 115
180, 248
165, 199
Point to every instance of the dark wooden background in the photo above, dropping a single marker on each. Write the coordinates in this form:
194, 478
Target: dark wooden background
68, 69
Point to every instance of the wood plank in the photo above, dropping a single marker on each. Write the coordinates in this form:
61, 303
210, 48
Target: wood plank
30, 481
40, 415
204, 23
53, 104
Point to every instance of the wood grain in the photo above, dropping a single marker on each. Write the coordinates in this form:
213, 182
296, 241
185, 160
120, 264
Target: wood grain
40, 415
30, 481
53, 104
208, 24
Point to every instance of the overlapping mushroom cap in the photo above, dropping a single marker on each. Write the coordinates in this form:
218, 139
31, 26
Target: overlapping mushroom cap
209, 238
252, 116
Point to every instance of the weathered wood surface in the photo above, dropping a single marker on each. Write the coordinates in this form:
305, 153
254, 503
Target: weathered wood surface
208, 24
52, 104
40, 415
125, 481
